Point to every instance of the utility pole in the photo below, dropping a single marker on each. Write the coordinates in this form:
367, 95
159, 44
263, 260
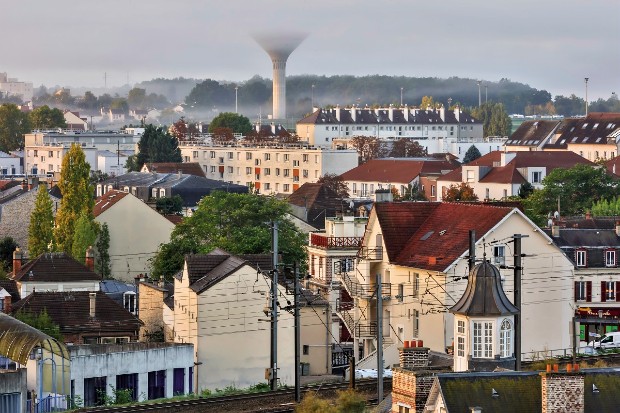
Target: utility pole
273, 377
479, 94
297, 336
518, 272
472, 249
586, 79
379, 340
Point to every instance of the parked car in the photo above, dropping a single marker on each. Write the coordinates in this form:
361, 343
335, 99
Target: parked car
609, 340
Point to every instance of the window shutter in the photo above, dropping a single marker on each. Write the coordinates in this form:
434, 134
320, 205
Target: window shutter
617, 292
603, 291
588, 291
576, 290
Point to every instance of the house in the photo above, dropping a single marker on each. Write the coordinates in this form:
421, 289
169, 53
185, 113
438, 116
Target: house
8, 294
136, 232
420, 251
499, 175
156, 303
83, 317
113, 115
10, 164
593, 246
313, 202
75, 122
188, 168
54, 271
397, 173
16, 206
219, 300
112, 163
138, 114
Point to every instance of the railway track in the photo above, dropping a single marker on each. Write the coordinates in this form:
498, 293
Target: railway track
280, 401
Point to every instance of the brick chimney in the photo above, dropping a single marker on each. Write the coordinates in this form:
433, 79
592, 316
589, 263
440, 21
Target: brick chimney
413, 358
412, 382
7, 305
90, 258
92, 300
562, 392
17, 260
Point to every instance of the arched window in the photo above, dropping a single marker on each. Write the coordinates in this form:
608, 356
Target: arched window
505, 339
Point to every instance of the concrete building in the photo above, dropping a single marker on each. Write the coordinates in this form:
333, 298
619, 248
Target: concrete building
13, 391
12, 87
46, 159
269, 170
437, 130
10, 164
112, 163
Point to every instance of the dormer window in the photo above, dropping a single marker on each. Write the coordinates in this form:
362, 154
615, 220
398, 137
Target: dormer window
581, 257
610, 258
129, 301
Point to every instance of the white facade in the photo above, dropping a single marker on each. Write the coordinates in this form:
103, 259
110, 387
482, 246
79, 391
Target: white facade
111, 163
101, 140
269, 169
47, 158
12, 87
9, 164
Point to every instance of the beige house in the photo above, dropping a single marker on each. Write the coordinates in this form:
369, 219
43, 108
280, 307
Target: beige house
421, 249
136, 232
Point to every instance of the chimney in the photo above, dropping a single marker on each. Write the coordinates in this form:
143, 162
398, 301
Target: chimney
354, 113
90, 258
457, 113
413, 358
588, 215
562, 392
406, 113
337, 112
555, 230
391, 112
17, 260
442, 113
92, 301
7, 305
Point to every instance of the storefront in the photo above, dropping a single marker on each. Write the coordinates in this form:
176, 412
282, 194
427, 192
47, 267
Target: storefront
596, 321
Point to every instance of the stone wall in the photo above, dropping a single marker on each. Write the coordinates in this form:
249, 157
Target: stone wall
151, 302
562, 392
411, 388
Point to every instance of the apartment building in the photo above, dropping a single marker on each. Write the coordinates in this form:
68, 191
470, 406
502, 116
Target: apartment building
12, 87
46, 159
269, 170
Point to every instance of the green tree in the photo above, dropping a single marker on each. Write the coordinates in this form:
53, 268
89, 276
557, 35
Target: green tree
136, 97
576, 189
102, 263
41, 228
156, 145
238, 123
211, 93
44, 117
460, 193
494, 118
368, 147
7, 246
77, 196
41, 321
238, 223
336, 184
89, 101
472, 154
172, 205
407, 148
13, 125
84, 236
525, 190
428, 102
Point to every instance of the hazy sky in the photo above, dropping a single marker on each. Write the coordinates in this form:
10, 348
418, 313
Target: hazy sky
548, 44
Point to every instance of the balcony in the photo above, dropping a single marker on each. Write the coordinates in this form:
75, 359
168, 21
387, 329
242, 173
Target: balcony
323, 241
370, 254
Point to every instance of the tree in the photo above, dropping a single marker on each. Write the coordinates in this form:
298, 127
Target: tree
222, 136
210, 94
41, 228
7, 246
120, 104
167, 206
336, 184
472, 154
13, 125
238, 123
77, 196
460, 193
525, 189
102, 263
407, 148
238, 223
46, 118
494, 118
41, 321
368, 147
576, 189
428, 103
89, 101
84, 236
156, 145
413, 192
136, 97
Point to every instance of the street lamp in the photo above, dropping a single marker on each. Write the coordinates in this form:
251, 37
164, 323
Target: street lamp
449, 102
236, 105
586, 79
486, 95
401, 96
312, 96
479, 94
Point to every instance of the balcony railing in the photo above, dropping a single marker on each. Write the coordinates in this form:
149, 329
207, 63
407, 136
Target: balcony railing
371, 254
324, 241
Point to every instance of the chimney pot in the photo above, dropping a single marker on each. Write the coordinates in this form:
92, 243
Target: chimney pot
7, 304
17, 260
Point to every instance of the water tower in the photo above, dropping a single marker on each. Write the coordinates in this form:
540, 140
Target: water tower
279, 47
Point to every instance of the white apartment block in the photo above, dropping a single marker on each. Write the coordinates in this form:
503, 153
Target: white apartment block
12, 87
47, 159
269, 169
101, 140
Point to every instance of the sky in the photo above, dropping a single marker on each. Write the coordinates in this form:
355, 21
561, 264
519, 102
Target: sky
547, 44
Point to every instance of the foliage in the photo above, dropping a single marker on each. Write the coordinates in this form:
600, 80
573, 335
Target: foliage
336, 184
7, 247
570, 106
460, 193
606, 208
98, 176
88, 101
368, 147
156, 145
237, 223
238, 123
13, 125
222, 136
472, 154
119, 396
211, 93
77, 196
413, 192
407, 148
429, 103
311, 403
494, 118
102, 263
119, 104
45, 118
183, 130
41, 227
84, 236
41, 321
576, 189
347, 401
167, 206
525, 190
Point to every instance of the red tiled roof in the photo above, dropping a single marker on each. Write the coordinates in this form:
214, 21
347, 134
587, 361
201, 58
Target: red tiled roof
596, 128
453, 176
432, 235
504, 175
6, 184
487, 160
187, 168
55, 267
314, 195
175, 219
399, 170
107, 200
613, 165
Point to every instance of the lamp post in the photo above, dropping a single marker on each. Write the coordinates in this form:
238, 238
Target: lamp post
479, 94
586, 79
401, 96
312, 96
236, 102
486, 93
449, 102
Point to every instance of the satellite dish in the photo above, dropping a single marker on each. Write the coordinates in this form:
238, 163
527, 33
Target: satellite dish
550, 223
556, 215
351, 204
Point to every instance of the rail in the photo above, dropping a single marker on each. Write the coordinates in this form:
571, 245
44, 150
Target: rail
371, 254
325, 241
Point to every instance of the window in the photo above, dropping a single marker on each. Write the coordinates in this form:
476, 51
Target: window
248, 156
154, 193
432, 190
287, 172
487, 193
608, 291
610, 258
162, 193
256, 161
505, 339
305, 173
194, 154
460, 327
499, 255
401, 292
248, 170
295, 163
230, 155
403, 409
277, 171
483, 339
306, 349
212, 169
230, 169
460, 346
305, 157
416, 284
354, 188
267, 156
286, 157
285, 187
267, 186
581, 258
583, 291
470, 176
416, 323
212, 154
129, 301
536, 177
267, 171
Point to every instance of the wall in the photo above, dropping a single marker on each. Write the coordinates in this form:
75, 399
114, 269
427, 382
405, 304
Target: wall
14, 382
316, 336
26, 287
150, 303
